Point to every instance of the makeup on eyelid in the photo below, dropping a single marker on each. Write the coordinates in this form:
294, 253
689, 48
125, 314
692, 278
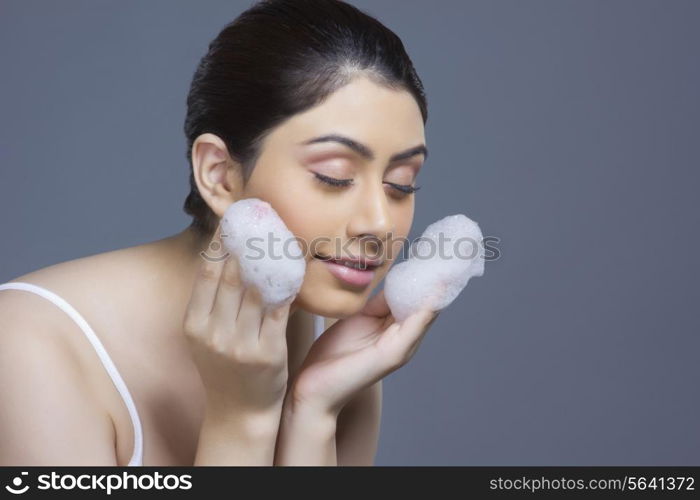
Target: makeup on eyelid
346, 160
337, 169
340, 175
403, 188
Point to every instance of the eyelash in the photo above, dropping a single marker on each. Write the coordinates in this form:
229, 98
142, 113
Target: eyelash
346, 182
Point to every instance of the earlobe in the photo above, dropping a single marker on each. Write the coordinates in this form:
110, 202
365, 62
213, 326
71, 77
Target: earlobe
212, 166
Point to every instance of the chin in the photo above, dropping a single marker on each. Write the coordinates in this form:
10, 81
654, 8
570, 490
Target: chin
331, 302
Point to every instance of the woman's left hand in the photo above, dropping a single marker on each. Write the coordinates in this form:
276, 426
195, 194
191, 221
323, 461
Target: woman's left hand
355, 353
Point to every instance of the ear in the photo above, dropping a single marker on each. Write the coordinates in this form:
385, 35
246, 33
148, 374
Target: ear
219, 178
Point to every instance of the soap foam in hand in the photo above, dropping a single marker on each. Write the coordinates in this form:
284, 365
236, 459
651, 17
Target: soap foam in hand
436, 271
274, 265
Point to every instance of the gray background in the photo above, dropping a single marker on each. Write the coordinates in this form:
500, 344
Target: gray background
568, 129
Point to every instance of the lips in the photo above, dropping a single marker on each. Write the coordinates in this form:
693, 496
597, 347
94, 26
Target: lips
360, 263
357, 277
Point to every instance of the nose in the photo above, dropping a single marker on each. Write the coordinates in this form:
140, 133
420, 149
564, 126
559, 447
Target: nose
371, 223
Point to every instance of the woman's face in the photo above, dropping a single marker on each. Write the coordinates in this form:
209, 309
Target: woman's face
359, 220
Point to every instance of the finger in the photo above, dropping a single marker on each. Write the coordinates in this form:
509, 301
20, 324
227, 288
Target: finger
415, 327
273, 331
420, 320
250, 315
204, 288
229, 295
377, 306
401, 340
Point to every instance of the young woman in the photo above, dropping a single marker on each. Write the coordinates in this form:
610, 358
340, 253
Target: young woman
158, 354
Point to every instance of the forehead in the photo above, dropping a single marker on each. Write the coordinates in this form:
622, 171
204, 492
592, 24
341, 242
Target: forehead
386, 120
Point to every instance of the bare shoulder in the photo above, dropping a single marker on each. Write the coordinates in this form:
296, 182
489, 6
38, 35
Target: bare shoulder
120, 296
106, 290
47, 401
88, 285
83, 283
59, 386
83, 273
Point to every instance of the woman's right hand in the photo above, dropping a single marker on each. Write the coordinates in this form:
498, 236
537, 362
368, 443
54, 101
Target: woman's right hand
239, 347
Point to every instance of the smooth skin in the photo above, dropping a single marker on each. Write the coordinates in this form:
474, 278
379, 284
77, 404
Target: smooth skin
164, 314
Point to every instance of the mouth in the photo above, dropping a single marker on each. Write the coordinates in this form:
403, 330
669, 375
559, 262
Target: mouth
357, 272
361, 263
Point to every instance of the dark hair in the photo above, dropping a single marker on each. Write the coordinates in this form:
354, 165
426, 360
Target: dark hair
277, 59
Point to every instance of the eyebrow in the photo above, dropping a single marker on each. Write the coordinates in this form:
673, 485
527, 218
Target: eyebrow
365, 151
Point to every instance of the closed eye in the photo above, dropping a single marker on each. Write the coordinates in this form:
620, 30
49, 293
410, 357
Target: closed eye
404, 188
332, 181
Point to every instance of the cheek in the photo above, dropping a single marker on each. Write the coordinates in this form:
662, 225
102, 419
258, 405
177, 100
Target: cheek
402, 217
304, 212
398, 244
403, 220
306, 224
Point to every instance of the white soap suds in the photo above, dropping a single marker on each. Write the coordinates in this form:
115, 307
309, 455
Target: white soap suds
437, 269
269, 256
